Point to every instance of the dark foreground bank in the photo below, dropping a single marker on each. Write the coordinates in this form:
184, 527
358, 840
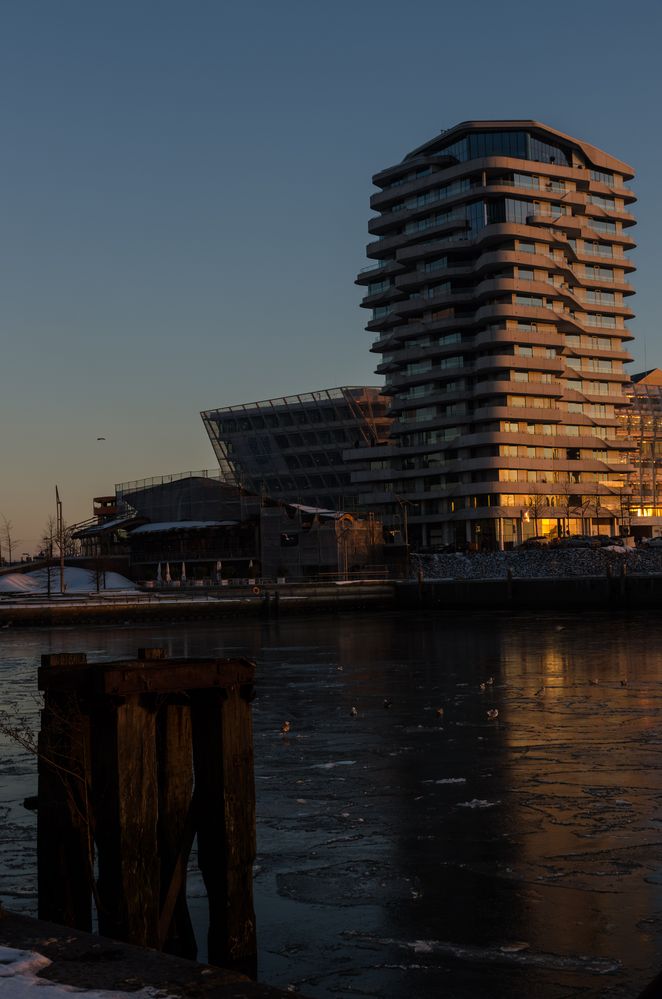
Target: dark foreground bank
85, 961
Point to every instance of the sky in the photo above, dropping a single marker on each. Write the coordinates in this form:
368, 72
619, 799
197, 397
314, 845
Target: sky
184, 194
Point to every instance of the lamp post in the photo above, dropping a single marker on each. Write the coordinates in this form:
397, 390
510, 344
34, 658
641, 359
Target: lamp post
404, 515
344, 535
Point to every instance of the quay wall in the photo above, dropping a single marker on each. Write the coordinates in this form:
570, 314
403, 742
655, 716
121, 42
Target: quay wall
569, 593
147, 607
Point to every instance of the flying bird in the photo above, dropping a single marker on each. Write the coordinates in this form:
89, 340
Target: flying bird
101, 438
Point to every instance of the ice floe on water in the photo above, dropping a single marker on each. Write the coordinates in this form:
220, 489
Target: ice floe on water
477, 803
336, 763
516, 953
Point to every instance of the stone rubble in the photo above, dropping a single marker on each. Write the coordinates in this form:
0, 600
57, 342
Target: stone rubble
532, 563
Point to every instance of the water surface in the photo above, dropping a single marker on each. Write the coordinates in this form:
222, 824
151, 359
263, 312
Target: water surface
407, 852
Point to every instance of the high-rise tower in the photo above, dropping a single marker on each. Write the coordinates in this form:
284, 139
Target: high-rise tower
499, 296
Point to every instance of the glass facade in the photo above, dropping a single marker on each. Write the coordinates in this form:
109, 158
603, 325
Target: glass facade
292, 448
518, 145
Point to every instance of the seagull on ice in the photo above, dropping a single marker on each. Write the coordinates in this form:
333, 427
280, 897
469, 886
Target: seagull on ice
285, 727
492, 713
354, 713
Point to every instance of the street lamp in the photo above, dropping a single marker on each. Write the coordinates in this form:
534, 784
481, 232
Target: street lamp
346, 529
404, 504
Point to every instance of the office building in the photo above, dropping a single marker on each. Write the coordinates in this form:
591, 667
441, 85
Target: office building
291, 448
499, 295
642, 432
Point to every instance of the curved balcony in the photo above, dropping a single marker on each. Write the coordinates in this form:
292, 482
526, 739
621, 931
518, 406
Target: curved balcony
380, 270
611, 191
539, 338
378, 298
382, 200
403, 239
509, 362
503, 387
623, 263
382, 223
568, 224
415, 277
504, 412
390, 174
411, 307
609, 215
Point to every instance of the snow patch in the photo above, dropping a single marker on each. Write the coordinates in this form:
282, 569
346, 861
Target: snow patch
18, 980
75, 580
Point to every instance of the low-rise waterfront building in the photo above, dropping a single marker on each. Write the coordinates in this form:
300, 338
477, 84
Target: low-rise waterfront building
196, 528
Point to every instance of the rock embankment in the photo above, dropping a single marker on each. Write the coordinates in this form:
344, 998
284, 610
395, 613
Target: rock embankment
538, 563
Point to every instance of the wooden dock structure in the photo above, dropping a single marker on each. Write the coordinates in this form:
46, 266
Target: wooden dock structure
136, 759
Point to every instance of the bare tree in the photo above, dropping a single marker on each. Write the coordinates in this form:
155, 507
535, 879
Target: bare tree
538, 503
571, 502
7, 539
51, 541
48, 540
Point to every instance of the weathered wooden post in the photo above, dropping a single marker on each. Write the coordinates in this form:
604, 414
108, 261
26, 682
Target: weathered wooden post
142, 723
225, 819
125, 802
64, 835
175, 823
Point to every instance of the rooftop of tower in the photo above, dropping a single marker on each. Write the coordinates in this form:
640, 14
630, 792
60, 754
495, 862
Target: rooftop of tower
595, 156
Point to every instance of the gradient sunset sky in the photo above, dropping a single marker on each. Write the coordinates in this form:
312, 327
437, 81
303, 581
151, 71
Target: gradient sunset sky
184, 200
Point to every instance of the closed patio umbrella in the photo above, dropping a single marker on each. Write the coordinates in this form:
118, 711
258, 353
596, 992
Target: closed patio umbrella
183, 573
167, 572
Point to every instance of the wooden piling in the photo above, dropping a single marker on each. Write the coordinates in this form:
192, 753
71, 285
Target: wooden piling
125, 801
225, 821
175, 826
131, 735
64, 836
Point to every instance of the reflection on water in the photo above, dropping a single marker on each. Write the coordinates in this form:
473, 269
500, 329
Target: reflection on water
421, 848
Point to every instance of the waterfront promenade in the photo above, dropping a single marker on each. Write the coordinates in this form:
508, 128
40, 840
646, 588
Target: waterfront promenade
534, 579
